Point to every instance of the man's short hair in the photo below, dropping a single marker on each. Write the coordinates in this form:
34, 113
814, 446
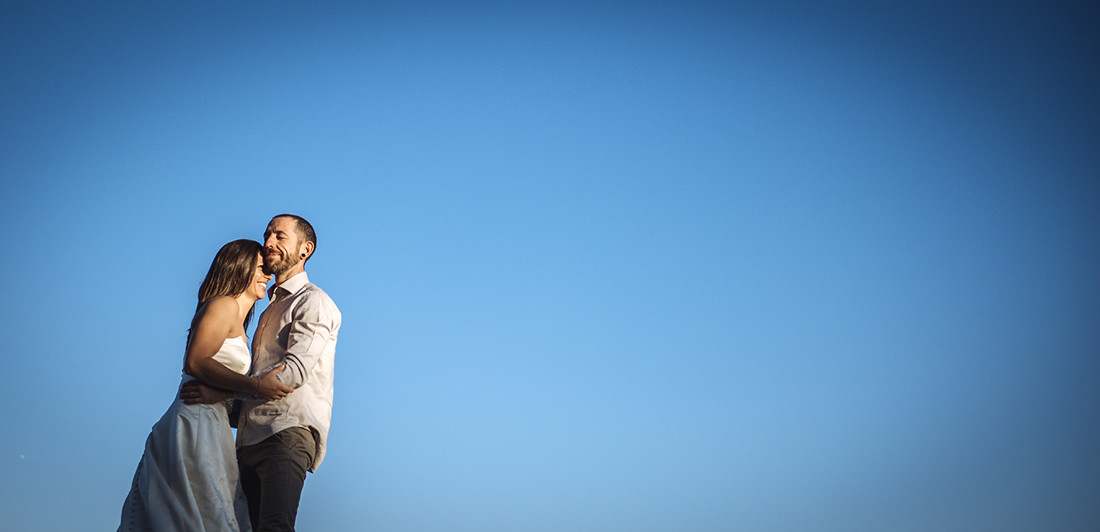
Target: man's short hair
304, 228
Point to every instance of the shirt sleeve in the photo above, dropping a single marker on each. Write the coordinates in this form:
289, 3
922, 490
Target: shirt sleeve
313, 326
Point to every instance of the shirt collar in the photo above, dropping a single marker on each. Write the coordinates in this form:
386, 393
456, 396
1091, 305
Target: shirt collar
290, 286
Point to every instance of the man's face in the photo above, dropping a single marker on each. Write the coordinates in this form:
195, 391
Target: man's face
282, 246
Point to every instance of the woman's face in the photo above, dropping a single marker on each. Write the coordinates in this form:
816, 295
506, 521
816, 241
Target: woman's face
258, 286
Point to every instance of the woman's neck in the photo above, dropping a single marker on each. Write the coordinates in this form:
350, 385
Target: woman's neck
244, 304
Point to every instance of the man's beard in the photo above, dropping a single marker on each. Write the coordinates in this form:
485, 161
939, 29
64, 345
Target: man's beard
280, 267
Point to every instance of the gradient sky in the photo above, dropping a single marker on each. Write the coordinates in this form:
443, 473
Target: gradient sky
639, 266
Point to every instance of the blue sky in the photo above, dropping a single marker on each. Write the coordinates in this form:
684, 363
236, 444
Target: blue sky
604, 266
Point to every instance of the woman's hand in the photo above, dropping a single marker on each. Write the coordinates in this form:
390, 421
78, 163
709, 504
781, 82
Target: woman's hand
269, 388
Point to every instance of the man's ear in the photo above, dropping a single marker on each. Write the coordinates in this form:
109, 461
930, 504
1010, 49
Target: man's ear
307, 250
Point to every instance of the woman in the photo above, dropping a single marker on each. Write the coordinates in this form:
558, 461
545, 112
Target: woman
187, 479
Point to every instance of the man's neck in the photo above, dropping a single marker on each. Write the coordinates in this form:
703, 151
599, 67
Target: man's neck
280, 279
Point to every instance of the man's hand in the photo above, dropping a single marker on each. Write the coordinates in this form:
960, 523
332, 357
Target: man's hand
270, 388
195, 393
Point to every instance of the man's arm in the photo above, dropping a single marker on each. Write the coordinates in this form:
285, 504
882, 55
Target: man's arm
195, 392
313, 326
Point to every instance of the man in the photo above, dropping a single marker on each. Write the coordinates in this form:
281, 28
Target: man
278, 441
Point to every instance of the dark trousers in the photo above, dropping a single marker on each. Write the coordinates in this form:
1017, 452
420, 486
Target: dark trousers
272, 475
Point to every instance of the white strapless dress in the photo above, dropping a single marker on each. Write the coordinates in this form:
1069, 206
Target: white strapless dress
187, 480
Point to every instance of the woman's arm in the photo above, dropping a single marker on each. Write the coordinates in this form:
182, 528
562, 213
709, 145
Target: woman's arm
213, 324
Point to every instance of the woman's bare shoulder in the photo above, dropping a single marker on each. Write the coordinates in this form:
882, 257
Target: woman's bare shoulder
218, 309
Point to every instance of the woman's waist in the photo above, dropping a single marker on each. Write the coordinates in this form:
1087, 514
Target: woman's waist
186, 379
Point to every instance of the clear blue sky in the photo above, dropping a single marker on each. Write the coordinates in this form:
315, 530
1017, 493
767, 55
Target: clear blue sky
645, 266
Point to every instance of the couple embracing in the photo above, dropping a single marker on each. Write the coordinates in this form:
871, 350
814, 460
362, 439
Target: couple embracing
192, 476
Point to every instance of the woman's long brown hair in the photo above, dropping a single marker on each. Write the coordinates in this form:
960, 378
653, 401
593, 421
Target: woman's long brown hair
230, 273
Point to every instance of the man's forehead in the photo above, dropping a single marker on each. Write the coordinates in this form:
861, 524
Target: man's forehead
286, 223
